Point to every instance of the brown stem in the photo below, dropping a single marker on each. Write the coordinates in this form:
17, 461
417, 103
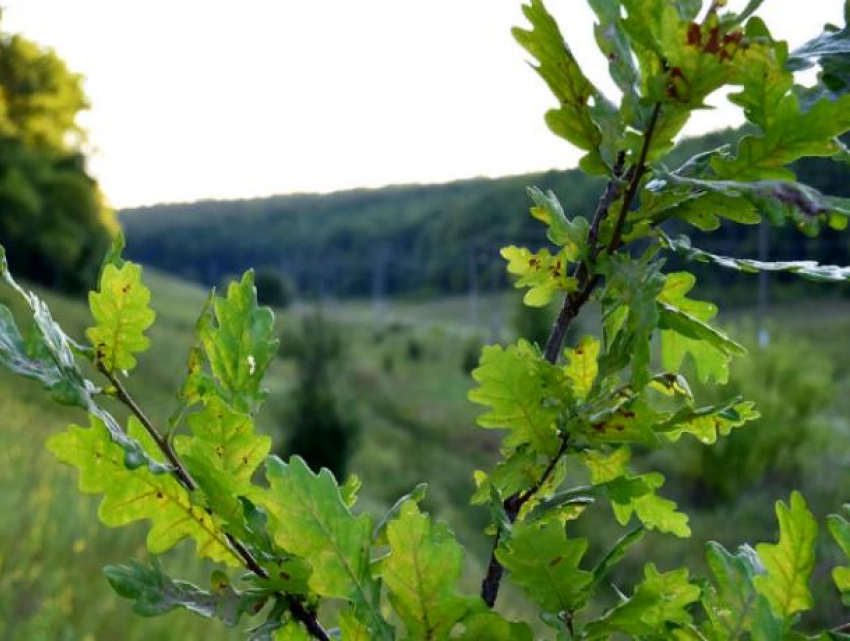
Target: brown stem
573, 303
296, 607
634, 183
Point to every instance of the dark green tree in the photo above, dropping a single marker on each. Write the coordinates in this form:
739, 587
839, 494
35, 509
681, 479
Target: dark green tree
53, 218
273, 288
315, 427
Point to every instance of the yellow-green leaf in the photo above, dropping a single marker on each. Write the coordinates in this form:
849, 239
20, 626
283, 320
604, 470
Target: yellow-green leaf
241, 344
120, 309
545, 563
309, 518
139, 494
789, 563
227, 439
490, 626
582, 367
840, 530
689, 332
292, 631
420, 572
512, 383
545, 274
559, 69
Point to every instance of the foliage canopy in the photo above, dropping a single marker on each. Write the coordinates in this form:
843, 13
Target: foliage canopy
587, 406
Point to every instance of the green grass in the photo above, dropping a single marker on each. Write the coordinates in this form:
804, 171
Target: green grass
405, 379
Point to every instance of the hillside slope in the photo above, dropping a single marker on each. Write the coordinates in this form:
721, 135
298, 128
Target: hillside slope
403, 239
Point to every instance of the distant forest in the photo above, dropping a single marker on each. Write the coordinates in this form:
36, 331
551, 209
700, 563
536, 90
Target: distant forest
416, 239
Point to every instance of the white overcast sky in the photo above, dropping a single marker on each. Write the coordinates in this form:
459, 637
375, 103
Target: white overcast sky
211, 99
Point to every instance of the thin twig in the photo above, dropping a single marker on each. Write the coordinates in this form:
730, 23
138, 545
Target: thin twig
634, 183
573, 302
296, 607
162, 443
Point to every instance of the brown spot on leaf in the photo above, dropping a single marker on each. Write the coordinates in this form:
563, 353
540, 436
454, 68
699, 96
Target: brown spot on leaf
694, 35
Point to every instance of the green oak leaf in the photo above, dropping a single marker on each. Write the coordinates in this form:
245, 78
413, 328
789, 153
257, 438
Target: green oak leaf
309, 518
155, 593
808, 269
516, 472
240, 345
614, 43
790, 562
630, 315
569, 234
686, 331
227, 439
731, 603
351, 628
379, 532
545, 563
292, 631
606, 467
707, 423
138, 494
48, 343
839, 528
582, 367
559, 69
121, 311
490, 626
630, 420
420, 572
765, 81
542, 272
631, 493
658, 606
510, 383
196, 383
26, 357
780, 200
791, 134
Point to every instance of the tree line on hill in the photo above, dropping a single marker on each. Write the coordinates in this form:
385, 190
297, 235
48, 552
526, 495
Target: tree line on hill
415, 239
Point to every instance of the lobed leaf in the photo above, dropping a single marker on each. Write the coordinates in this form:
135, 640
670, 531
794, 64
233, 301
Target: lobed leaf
569, 234
731, 603
490, 626
790, 562
583, 368
512, 382
658, 607
839, 528
559, 69
685, 331
807, 269
121, 311
420, 573
138, 494
309, 518
709, 422
49, 344
545, 563
240, 345
227, 440
155, 593
543, 273
631, 493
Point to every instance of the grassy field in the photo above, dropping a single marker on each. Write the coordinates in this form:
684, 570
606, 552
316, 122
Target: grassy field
405, 379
